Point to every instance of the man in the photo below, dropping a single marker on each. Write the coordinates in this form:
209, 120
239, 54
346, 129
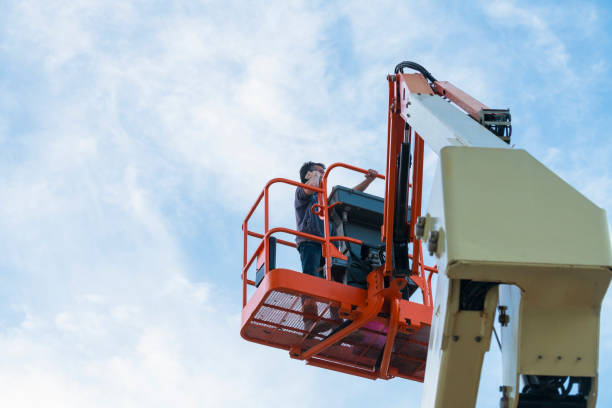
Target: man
310, 251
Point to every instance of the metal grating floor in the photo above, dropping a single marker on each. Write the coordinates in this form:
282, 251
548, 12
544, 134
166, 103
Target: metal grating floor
285, 319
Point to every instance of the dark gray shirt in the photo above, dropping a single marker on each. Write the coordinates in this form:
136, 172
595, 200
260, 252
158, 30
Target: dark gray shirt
305, 220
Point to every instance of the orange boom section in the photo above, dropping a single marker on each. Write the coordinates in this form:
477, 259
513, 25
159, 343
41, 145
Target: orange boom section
372, 332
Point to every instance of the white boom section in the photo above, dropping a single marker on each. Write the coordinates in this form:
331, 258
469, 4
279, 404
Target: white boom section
442, 124
504, 218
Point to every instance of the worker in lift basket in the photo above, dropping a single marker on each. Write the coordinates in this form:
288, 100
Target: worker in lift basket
310, 251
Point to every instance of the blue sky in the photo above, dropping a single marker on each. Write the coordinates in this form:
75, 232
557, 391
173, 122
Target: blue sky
134, 136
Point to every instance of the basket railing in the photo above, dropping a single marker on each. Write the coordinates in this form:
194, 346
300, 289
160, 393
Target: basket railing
322, 208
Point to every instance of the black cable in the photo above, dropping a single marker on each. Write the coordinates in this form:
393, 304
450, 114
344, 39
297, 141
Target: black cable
497, 337
417, 67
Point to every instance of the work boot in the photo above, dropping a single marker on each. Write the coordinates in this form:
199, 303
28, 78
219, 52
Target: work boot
334, 320
311, 313
322, 324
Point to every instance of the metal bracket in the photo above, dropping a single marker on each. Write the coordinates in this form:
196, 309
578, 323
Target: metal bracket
498, 121
503, 318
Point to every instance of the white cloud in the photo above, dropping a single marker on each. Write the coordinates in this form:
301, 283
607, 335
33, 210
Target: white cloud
144, 121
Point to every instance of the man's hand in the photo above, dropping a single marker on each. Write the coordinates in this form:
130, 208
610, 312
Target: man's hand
371, 175
313, 178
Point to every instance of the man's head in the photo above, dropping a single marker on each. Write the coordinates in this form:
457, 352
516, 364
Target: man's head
308, 168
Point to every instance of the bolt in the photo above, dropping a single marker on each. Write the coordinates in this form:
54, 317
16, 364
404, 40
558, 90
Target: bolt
478, 339
419, 229
503, 318
579, 358
539, 357
559, 357
455, 338
432, 244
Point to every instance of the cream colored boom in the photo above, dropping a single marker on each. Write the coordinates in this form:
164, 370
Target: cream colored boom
503, 217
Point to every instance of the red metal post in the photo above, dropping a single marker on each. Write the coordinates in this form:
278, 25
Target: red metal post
244, 261
325, 211
392, 331
417, 183
394, 140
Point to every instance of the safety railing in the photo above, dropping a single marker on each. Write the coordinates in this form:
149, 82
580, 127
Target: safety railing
322, 208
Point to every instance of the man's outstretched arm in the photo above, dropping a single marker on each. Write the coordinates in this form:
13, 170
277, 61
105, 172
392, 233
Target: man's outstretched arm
369, 178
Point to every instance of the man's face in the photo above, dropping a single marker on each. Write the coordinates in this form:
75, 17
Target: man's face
316, 169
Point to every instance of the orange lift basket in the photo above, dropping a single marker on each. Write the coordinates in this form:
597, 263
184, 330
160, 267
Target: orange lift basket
372, 333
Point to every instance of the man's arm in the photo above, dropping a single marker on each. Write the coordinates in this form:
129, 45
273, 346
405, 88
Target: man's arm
369, 178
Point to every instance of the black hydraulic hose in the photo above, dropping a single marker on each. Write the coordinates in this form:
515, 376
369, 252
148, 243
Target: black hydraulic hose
401, 234
417, 67
400, 229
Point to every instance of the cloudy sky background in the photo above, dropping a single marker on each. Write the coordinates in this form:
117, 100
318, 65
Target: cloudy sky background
134, 136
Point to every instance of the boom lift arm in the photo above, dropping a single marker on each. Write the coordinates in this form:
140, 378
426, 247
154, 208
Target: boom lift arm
505, 230
506, 233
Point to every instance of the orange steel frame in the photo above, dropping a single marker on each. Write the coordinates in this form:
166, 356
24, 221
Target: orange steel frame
383, 293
